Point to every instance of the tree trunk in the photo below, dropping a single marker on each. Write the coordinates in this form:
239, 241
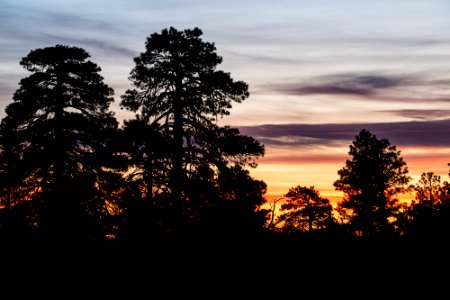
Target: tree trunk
177, 168
58, 216
148, 176
59, 141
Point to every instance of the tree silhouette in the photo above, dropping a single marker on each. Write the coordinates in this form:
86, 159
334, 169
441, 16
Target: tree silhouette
428, 216
305, 210
273, 211
427, 189
370, 181
178, 97
58, 126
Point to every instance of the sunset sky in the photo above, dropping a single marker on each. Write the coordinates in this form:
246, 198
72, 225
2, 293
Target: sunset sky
318, 71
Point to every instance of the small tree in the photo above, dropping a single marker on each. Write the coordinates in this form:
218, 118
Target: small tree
428, 189
370, 181
429, 214
305, 210
444, 193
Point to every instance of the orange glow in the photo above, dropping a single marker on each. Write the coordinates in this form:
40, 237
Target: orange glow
282, 169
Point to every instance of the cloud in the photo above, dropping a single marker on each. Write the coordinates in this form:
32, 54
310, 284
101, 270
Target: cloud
304, 158
108, 47
419, 133
46, 25
259, 58
421, 114
296, 141
403, 41
345, 84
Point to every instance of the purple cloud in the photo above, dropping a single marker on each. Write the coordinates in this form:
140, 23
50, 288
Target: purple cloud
418, 133
345, 84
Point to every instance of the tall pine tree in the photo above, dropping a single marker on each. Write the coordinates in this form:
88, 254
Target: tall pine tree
59, 125
178, 97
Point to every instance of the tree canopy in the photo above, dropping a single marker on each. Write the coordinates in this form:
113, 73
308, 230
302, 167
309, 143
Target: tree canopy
370, 180
178, 97
305, 210
54, 138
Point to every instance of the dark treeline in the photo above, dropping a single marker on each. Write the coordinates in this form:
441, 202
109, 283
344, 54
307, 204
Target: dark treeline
68, 171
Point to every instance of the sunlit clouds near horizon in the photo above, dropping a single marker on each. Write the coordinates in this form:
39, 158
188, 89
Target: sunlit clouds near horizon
318, 71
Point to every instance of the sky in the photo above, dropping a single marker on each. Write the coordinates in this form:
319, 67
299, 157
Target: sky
318, 71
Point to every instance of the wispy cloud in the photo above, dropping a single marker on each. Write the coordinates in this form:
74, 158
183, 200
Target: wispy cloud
345, 84
304, 158
297, 141
421, 114
97, 43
